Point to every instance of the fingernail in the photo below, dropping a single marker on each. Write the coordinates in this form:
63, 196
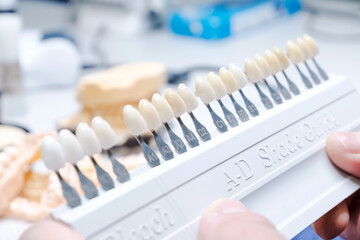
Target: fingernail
224, 206
350, 141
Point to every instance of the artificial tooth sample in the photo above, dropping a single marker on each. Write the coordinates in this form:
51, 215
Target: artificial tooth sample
294, 53
191, 104
254, 73
137, 126
74, 153
90, 145
266, 72
285, 63
54, 159
306, 53
107, 139
220, 91
241, 82
179, 108
166, 114
314, 51
275, 67
231, 86
206, 93
152, 119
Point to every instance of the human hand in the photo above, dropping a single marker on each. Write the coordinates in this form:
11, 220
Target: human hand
229, 219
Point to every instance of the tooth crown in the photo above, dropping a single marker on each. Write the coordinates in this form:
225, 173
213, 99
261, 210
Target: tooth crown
70, 146
134, 121
294, 52
149, 113
52, 154
239, 75
175, 101
264, 66
88, 140
228, 79
273, 62
305, 50
104, 132
283, 59
217, 85
162, 106
204, 90
312, 45
252, 70
188, 97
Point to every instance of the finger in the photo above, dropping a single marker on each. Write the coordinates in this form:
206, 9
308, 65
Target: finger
352, 230
50, 229
344, 151
228, 219
333, 223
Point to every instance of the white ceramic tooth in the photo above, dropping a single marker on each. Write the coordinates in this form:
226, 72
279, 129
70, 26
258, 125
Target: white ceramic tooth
228, 79
263, 64
294, 52
70, 146
175, 101
104, 132
188, 97
88, 140
239, 75
283, 59
134, 121
163, 108
52, 154
305, 50
149, 113
312, 45
216, 84
273, 62
204, 90
252, 70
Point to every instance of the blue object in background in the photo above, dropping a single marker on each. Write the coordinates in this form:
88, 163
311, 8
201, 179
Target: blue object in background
221, 20
309, 234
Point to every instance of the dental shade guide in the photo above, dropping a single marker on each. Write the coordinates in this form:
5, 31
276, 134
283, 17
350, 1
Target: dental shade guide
278, 153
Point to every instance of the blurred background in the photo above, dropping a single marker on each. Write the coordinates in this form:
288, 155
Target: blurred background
49, 47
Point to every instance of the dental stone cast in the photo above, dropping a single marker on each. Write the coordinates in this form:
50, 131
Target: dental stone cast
266, 72
306, 53
179, 108
220, 91
285, 63
295, 55
166, 114
254, 73
314, 51
90, 146
54, 159
191, 104
137, 126
74, 153
241, 80
108, 139
152, 119
275, 67
231, 86
206, 93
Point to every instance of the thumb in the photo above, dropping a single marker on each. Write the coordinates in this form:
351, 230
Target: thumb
228, 219
344, 151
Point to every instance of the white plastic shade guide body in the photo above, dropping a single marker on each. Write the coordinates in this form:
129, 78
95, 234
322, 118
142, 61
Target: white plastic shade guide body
275, 164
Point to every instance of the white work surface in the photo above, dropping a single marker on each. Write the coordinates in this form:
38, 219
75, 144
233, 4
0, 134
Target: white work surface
43, 108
